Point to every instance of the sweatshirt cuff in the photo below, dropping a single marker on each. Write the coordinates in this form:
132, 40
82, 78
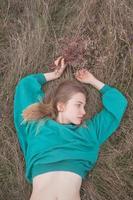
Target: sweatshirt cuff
41, 78
105, 88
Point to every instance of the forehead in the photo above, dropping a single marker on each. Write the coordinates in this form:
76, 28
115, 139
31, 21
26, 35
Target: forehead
78, 97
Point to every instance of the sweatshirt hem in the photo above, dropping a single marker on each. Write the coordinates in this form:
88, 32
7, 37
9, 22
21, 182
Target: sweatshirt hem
58, 166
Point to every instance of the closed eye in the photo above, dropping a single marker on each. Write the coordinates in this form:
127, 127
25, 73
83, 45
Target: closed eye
78, 105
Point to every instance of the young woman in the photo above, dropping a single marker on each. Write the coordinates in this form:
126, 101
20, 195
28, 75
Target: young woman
59, 144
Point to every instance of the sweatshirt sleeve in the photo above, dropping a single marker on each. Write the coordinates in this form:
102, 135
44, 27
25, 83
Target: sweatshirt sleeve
28, 91
108, 119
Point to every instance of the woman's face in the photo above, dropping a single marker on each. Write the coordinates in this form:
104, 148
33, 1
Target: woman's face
73, 111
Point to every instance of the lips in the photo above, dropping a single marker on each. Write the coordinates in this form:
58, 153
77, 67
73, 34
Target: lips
80, 118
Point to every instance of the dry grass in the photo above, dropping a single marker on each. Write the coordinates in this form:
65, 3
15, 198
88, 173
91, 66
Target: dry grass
30, 33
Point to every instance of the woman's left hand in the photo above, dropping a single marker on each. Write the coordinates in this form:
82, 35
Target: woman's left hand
84, 76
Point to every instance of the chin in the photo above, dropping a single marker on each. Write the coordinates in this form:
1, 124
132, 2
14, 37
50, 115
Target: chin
77, 122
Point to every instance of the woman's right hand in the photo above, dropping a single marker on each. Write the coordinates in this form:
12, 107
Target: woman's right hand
59, 69
60, 66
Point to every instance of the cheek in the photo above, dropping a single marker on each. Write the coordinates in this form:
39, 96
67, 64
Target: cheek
71, 110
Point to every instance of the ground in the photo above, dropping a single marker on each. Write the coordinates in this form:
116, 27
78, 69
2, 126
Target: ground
32, 35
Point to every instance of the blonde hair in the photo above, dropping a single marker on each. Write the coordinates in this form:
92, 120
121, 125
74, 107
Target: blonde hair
48, 106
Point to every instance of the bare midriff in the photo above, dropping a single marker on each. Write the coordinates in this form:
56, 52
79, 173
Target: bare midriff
57, 185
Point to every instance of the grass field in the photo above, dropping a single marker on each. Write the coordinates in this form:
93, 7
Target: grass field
31, 35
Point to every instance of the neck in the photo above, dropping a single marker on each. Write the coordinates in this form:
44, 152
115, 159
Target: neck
61, 119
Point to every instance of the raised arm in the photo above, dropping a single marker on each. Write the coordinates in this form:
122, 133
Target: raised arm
114, 105
29, 91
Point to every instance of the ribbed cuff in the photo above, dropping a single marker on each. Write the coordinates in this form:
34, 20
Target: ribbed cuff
41, 78
105, 88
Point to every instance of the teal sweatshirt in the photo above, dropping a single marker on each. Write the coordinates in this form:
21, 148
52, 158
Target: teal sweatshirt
48, 145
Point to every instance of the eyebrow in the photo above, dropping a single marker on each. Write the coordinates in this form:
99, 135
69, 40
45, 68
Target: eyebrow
81, 102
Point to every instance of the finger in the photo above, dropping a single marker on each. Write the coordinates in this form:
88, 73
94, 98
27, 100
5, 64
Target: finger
61, 68
77, 72
62, 63
79, 79
57, 60
78, 75
82, 70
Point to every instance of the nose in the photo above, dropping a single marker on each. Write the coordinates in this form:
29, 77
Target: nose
83, 112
